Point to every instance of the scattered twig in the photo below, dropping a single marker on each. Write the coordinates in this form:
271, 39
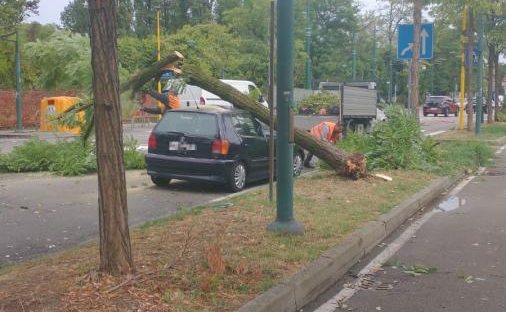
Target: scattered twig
168, 266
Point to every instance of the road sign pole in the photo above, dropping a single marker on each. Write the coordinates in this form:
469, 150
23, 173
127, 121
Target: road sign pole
285, 222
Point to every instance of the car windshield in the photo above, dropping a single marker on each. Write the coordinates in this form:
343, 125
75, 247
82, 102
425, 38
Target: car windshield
189, 123
435, 99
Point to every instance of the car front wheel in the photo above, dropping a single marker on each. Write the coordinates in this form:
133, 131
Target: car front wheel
237, 178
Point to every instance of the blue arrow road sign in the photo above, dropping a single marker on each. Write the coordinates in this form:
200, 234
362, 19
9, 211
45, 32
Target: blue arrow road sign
405, 41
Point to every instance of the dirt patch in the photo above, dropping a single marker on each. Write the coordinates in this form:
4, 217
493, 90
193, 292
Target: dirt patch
213, 258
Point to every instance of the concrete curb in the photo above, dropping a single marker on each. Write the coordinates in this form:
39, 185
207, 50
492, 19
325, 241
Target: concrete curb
306, 285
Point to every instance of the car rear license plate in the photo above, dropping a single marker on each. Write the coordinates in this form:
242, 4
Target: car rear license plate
178, 146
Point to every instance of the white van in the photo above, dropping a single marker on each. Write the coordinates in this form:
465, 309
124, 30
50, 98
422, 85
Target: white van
193, 95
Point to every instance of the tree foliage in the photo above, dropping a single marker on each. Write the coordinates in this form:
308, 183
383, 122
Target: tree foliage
13, 12
61, 61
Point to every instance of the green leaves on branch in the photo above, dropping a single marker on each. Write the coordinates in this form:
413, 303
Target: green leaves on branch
13, 12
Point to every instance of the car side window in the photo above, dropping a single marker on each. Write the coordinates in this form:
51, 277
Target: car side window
244, 125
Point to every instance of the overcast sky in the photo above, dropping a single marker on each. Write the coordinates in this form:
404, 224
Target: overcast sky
49, 10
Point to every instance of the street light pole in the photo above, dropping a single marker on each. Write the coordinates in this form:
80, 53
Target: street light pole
18, 86
285, 222
374, 55
309, 73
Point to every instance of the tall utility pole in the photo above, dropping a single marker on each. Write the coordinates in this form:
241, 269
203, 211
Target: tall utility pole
390, 70
479, 96
17, 70
374, 66
158, 48
19, 114
272, 85
354, 57
285, 222
308, 84
469, 64
415, 78
463, 70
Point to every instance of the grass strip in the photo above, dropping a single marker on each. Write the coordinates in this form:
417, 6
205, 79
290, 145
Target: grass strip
229, 259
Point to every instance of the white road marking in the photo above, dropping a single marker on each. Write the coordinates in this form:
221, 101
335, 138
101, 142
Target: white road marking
348, 291
436, 132
499, 151
142, 147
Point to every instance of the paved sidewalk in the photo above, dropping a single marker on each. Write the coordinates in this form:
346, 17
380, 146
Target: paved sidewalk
10, 138
465, 242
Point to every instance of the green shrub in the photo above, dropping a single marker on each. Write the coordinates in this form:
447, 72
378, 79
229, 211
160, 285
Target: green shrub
501, 115
320, 100
34, 155
398, 143
63, 158
132, 158
73, 159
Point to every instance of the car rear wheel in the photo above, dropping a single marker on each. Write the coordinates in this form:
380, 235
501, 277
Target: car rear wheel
237, 178
160, 181
445, 112
298, 164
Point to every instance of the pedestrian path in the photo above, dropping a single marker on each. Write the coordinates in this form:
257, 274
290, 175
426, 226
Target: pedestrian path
454, 262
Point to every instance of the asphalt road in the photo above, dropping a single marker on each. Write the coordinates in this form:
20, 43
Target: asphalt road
41, 213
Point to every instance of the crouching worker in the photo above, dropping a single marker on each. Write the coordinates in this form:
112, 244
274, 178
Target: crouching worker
169, 99
326, 131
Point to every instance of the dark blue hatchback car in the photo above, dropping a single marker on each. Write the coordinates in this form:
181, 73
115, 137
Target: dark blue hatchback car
213, 144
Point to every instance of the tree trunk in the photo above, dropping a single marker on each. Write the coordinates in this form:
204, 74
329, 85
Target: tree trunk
115, 250
491, 83
353, 165
470, 64
415, 78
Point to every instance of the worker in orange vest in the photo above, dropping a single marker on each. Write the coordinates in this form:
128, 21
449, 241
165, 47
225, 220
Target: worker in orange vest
326, 131
169, 97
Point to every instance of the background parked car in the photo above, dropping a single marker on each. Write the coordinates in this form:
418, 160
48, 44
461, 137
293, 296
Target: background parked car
210, 143
193, 95
440, 105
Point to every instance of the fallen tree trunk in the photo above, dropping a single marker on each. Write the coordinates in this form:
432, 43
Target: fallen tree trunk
353, 165
136, 82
